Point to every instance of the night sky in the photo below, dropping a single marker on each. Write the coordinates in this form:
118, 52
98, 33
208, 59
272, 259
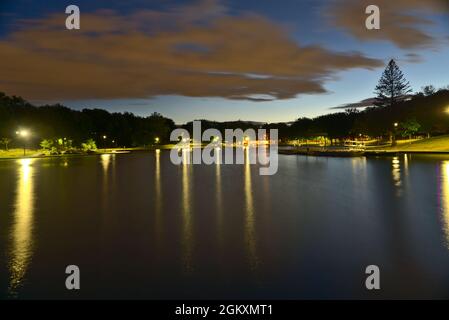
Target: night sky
264, 60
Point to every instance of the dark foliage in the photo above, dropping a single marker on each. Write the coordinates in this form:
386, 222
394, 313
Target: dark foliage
57, 121
126, 129
431, 112
392, 86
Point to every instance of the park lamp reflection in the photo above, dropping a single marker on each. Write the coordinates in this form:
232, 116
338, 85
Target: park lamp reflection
444, 198
219, 196
187, 242
105, 161
250, 232
396, 171
158, 195
22, 242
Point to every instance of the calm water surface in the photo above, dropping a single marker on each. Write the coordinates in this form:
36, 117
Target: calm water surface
140, 227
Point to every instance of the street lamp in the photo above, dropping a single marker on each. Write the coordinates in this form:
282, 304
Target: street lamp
23, 134
156, 140
104, 141
393, 140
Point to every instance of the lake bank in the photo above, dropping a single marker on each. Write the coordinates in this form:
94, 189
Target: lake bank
434, 145
36, 154
349, 153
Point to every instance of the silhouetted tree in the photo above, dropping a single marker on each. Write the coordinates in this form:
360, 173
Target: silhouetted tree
392, 86
5, 142
428, 90
126, 129
53, 122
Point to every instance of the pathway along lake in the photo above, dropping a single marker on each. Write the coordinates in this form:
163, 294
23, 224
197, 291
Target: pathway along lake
140, 227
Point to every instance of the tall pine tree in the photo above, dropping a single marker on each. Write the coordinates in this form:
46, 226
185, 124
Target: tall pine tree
392, 86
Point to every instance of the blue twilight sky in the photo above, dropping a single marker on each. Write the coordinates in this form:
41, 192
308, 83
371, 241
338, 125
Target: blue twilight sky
254, 60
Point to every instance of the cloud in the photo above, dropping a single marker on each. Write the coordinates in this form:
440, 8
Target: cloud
413, 58
370, 102
403, 22
173, 52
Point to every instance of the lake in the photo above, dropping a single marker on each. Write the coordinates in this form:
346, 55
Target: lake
138, 226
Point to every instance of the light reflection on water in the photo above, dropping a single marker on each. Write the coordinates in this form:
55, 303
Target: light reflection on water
187, 241
359, 174
406, 164
445, 198
314, 227
219, 197
250, 232
158, 195
105, 161
22, 241
396, 171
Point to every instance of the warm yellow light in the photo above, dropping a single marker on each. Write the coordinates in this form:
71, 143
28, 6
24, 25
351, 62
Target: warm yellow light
104, 137
22, 239
23, 133
396, 124
105, 161
156, 140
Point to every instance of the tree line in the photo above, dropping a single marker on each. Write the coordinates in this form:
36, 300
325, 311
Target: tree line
64, 127
423, 115
396, 112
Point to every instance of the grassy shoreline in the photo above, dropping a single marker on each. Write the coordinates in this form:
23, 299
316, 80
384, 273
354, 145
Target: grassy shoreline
18, 153
343, 154
434, 145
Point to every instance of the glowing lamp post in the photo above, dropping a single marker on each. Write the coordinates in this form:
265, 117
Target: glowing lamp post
393, 140
23, 134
